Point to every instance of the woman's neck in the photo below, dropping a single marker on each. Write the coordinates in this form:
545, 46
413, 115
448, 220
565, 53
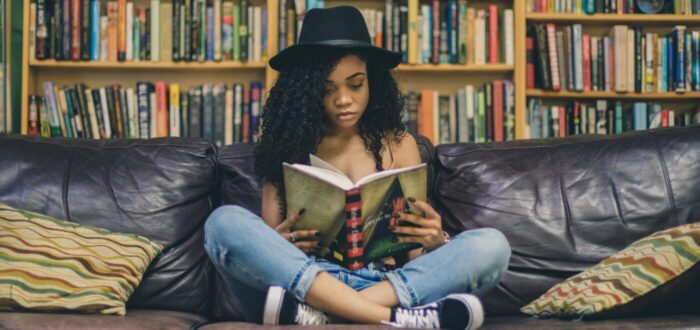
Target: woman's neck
346, 134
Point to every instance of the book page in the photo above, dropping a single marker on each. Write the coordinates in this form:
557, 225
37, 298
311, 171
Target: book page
324, 203
329, 176
320, 163
380, 199
378, 175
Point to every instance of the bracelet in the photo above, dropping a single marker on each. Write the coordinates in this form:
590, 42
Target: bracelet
447, 236
447, 240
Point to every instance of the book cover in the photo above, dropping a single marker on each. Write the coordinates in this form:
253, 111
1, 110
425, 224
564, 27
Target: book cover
355, 219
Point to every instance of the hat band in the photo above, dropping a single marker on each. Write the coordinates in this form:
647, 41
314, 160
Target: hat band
339, 42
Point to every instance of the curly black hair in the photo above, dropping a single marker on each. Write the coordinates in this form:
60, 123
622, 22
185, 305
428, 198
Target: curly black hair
293, 118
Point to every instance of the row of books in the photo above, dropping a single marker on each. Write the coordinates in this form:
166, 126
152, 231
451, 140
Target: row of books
600, 117
625, 60
472, 114
217, 112
678, 7
118, 30
445, 31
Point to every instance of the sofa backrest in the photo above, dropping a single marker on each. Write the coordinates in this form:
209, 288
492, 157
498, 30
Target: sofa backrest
158, 188
240, 186
565, 204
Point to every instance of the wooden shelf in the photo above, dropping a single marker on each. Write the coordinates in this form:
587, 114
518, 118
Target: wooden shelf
598, 19
145, 65
456, 67
670, 96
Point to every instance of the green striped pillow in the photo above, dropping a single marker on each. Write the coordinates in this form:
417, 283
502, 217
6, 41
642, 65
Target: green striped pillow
650, 272
51, 265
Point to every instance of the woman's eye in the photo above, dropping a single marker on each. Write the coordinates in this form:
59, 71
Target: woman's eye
330, 90
356, 86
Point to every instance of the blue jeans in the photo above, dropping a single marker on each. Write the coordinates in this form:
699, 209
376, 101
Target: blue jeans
251, 256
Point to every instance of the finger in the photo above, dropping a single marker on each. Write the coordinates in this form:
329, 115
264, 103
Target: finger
413, 231
421, 221
412, 218
411, 239
309, 251
306, 245
290, 221
428, 210
307, 235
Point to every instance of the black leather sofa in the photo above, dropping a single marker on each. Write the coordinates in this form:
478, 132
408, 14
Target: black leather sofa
564, 205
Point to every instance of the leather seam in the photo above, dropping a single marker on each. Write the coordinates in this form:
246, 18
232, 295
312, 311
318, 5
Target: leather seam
667, 182
480, 147
64, 190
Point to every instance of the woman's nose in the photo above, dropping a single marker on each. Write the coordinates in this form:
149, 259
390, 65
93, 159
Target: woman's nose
343, 98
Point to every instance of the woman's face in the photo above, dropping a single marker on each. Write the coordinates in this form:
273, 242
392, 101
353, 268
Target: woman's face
346, 93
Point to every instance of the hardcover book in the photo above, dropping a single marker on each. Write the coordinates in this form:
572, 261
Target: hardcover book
354, 218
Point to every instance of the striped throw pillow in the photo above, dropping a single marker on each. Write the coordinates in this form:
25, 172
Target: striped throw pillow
55, 265
651, 271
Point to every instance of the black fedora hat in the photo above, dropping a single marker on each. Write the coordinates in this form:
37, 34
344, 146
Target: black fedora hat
337, 27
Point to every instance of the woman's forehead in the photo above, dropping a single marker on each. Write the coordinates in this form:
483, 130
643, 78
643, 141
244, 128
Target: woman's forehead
347, 68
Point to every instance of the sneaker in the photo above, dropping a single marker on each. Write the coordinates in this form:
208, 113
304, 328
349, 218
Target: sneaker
456, 311
282, 308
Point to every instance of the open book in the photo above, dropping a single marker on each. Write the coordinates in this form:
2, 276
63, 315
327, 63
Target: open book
354, 219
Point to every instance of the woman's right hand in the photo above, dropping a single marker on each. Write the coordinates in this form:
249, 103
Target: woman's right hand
305, 240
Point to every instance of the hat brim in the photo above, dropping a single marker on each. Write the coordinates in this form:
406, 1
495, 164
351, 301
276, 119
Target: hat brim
293, 54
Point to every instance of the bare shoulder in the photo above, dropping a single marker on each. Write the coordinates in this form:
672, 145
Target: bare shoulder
405, 150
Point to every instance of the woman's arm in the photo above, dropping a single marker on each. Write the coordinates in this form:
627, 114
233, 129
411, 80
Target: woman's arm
270, 205
407, 153
430, 233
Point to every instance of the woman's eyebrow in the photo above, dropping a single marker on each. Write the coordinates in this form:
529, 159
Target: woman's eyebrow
350, 77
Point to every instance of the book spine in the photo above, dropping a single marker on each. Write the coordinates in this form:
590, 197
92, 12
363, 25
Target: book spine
75, 24
195, 111
99, 113
162, 109
106, 114
493, 34
155, 30
243, 29
61, 30
219, 114
174, 95
85, 30
354, 249
121, 31
95, 31
129, 33
176, 26
142, 92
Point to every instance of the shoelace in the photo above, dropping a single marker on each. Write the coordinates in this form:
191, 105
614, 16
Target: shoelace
307, 315
423, 318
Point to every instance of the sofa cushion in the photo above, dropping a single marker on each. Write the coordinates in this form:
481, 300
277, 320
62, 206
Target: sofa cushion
47, 264
675, 322
158, 188
240, 186
565, 204
652, 271
134, 320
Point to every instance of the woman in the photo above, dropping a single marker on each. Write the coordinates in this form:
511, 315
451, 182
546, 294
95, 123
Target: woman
336, 99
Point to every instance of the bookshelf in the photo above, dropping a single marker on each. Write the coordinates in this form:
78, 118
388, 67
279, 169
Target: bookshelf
445, 78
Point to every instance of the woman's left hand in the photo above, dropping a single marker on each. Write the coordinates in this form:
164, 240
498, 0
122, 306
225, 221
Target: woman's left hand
429, 227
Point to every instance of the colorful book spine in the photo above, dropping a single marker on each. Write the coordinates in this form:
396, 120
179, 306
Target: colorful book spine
354, 249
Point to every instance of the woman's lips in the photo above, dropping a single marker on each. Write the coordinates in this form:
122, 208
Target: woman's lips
346, 116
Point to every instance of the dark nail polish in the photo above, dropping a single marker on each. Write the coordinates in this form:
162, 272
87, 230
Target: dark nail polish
411, 199
317, 234
301, 212
395, 239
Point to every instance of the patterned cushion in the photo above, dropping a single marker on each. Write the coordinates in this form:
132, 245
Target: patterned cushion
650, 271
48, 264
